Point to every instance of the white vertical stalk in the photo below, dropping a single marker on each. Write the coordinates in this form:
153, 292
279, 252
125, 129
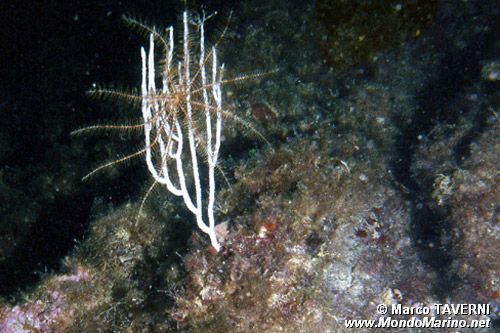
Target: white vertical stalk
164, 123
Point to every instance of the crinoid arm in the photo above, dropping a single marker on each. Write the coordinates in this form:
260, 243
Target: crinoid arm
109, 127
120, 160
115, 94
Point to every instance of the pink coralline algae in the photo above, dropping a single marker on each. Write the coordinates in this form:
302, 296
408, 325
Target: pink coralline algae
50, 311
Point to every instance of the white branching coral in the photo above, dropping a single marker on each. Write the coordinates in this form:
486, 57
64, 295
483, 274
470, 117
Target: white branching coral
171, 117
182, 120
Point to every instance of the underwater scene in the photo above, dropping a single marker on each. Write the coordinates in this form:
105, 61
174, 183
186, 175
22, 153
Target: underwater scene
249, 166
